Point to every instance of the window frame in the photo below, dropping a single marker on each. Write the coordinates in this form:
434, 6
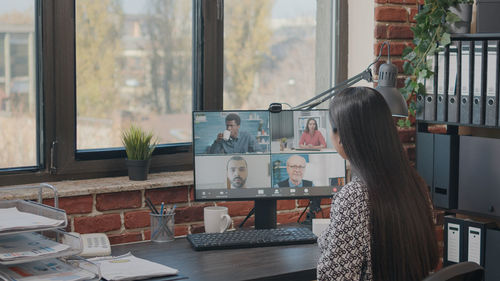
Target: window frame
56, 96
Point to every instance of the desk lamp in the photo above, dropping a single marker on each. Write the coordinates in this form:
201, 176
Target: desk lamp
386, 86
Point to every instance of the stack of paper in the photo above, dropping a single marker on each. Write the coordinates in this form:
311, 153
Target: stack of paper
26, 245
45, 270
128, 267
12, 219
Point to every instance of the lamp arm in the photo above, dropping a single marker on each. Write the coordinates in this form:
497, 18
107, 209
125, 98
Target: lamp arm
365, 75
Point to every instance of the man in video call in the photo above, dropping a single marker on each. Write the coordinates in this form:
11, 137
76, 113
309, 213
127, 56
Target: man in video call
237, 172
295, 167
238, 141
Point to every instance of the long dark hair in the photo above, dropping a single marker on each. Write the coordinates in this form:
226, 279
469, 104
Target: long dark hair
403, 245
307, 125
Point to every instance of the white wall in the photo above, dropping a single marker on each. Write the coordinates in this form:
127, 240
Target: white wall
361, 25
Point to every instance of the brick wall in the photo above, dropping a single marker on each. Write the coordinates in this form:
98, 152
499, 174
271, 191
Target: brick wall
124, 217
393, 19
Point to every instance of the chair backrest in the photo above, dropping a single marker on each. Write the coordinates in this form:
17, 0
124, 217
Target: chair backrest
464, 271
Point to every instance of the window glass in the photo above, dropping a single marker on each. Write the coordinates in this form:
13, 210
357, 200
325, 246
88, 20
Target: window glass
18, 110
269, 52
133, 66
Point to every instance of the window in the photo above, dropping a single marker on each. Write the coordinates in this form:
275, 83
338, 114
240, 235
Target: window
106, 64
18, 107
133, 65
270, 51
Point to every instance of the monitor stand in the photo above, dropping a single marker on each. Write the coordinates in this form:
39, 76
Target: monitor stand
265, 213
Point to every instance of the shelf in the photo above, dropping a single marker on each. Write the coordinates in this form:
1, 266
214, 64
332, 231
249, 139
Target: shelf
73, 243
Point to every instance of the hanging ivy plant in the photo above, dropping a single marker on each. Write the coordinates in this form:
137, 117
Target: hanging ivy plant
430, 35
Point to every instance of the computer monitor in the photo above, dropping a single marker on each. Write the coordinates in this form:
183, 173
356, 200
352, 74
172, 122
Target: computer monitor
264, 156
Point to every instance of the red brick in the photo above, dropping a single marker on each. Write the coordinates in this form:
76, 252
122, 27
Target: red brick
407, 135
393, 14
326, 212
118, 200
191, 193
248, 223
413, 13
437, 129
102, 223
439, 233
438, 217
181, 230
285, 205
168, 195
189, 214
197, 228
137, 219
396, 48
237, 208
402, 1
73, 204
399, 32
410, 151
326, 201
381, 31
302, 202
124, 238
400, 82
285, 218
381, 1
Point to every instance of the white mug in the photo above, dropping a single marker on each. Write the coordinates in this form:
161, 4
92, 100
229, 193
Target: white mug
227, 134
216, 219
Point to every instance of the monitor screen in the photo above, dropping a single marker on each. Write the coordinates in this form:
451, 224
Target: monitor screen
243, 155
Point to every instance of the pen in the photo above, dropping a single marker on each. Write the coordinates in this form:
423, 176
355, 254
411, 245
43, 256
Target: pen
151, 206
162, 208
171, 211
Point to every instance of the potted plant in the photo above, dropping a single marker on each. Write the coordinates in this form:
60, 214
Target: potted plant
139, 146
432, 30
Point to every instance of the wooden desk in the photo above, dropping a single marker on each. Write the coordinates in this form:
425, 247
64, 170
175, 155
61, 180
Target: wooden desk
295, 262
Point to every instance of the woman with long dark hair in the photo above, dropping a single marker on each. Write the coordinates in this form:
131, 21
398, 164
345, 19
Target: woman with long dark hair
381, 222
312, 137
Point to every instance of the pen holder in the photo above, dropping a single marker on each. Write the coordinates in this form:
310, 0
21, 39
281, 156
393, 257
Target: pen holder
162, 227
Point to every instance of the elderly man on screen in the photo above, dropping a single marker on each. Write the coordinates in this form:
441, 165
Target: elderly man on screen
295, 167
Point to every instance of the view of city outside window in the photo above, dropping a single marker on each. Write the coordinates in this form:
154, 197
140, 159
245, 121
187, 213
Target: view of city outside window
18, 126
133, 66
269, 52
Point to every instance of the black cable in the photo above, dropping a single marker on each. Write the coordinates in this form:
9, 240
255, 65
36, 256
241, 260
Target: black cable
305, 209
252, 211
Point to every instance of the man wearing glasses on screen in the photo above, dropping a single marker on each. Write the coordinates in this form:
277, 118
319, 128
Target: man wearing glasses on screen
295, 167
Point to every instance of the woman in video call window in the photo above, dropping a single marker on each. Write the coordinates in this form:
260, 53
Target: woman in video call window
312, 137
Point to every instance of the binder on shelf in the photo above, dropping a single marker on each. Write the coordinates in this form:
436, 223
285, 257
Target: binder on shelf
429, 89
492, 255
442, 92
430, 98
475, 241
445, 174
467, 80
480, 64
454, 231
454, 82
491, 105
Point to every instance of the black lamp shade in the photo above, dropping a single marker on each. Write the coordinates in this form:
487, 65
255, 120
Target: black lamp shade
387, 87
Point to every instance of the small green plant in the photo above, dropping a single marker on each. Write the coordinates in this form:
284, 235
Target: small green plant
430, 32
139, 145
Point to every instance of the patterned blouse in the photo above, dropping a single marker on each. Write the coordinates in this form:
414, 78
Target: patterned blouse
345, 244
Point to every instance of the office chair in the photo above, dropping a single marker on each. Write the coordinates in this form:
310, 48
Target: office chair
464, 271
